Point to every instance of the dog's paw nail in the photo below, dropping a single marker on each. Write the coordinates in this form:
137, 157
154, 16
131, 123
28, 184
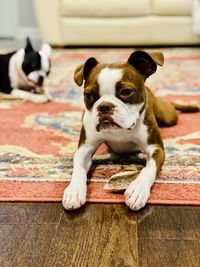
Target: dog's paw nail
139, 196
127, 196
128, 192
74, 197
82, 201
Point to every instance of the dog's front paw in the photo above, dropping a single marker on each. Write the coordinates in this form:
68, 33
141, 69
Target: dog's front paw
74, 196
38, 99
137, 194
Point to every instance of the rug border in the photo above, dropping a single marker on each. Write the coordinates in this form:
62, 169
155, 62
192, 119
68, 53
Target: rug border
179, 194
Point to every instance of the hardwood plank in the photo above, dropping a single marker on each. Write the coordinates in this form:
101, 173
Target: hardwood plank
169, 222
96, 235
25, 245
190, 222
30, 213
168, 253
191, 253
32, 234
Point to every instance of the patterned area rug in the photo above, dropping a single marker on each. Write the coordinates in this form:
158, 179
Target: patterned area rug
37, 142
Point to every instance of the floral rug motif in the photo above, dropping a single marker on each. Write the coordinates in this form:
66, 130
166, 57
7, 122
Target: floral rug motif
37, 142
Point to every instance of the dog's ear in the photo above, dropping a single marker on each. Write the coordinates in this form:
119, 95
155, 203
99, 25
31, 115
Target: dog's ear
29, 47
46, 48
146, 63
81, 73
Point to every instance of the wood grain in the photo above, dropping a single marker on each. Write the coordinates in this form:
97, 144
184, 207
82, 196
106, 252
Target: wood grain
30, 213
25, 245
169, 222
168, 253
169, 236
97, 235
105, 235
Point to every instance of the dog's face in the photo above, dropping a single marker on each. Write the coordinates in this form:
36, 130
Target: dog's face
36, 65
115, 93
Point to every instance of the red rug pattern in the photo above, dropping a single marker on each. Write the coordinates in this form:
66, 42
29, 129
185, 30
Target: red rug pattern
37, 142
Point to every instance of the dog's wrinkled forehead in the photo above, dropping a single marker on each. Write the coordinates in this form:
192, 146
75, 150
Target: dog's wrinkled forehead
125, 81
141, 62
107, 80
115, 76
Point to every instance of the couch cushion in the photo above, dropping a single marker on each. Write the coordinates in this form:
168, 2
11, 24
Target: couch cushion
172, 7
105, 8
149, 30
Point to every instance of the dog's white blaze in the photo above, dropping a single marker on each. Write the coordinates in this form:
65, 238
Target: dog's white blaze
125, 115
107, 80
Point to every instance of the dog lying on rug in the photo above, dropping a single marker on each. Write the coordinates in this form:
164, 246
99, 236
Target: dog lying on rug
123, 113
22, 72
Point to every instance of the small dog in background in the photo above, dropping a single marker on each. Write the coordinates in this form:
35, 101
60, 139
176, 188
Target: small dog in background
23, 72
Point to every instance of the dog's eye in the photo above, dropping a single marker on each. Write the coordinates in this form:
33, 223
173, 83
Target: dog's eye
89, 97
126, 92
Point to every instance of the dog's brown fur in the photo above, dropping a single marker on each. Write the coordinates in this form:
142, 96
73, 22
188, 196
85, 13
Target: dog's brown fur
136, 70
123, 113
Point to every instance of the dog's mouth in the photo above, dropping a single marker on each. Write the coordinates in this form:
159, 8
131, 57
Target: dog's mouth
34, 83
107, 123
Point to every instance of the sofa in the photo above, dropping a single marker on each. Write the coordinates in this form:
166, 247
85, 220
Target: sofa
115, 22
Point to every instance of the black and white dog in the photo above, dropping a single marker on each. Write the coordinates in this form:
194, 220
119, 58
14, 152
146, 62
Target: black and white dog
22, 72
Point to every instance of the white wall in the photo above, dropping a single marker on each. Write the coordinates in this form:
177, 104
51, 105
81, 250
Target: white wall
7, 18
17, 19
26, 14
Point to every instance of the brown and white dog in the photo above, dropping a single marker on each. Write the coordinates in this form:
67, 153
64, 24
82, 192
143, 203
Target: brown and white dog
123, 113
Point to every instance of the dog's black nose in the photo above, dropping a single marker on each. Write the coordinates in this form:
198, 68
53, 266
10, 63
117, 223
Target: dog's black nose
40, 80
105, 108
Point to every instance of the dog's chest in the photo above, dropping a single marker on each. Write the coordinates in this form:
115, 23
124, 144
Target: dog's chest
127, 141
123, 147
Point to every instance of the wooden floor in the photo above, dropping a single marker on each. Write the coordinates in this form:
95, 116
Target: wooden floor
36, 234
